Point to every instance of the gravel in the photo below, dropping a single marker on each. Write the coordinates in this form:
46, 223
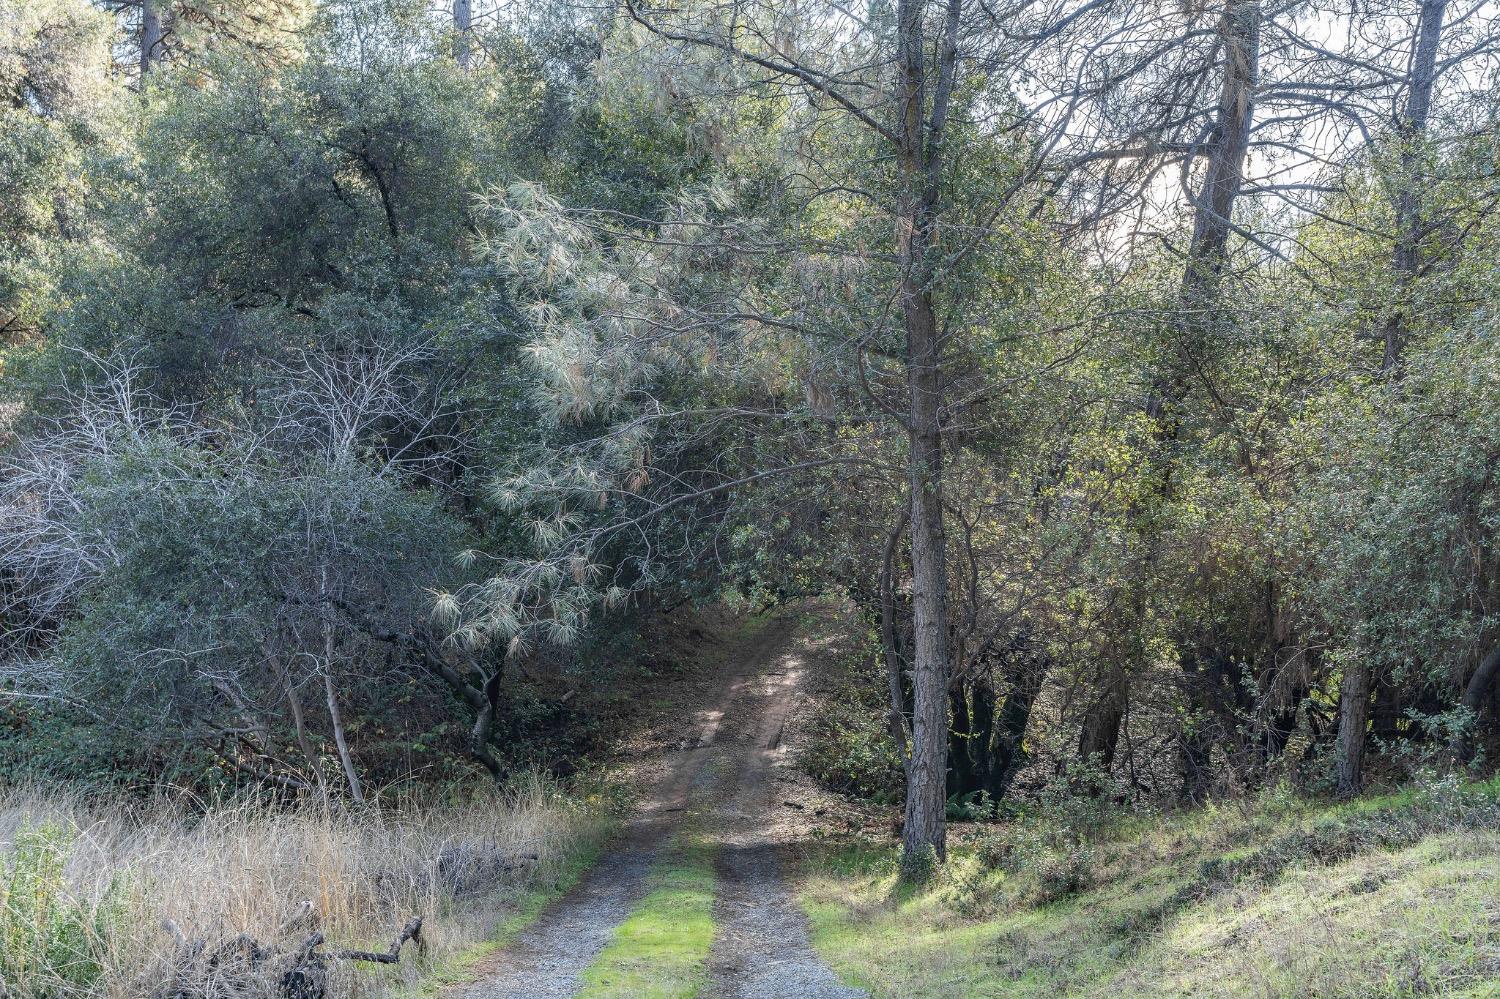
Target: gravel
761, 950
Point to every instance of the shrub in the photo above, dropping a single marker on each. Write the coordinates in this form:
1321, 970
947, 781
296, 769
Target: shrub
848, 747
1062, 875
976, 806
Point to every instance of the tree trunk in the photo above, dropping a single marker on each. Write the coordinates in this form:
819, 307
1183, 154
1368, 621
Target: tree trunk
1354, 706
924, 833
1200, 305
1197, 764
1354, 718
299, 729
919, 160
345, 759
482, 734
1411, 130
1239, 30
985, 708
330, 695
1099, 739
1015, 718
463, 26
1475, 694
963, 737
890, 647
151, 36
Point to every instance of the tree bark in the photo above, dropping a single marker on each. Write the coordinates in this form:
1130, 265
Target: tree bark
1239, 30
356, 791
463, 27
919, 159
1475, 693
330, 695
483, 733
1015, 717
1411, 130
1200, 303
889, 647
1354, 706
925, 832
1354, 718
151, 36
1099, 739
299, 729
964, 734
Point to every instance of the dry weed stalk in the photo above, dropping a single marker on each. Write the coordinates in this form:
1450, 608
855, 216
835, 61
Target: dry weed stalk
219, 871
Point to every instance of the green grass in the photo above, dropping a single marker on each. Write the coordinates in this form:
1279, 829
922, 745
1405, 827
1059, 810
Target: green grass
661, 951
1388, 897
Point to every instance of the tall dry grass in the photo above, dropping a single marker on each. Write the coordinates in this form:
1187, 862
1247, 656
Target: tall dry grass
221, 869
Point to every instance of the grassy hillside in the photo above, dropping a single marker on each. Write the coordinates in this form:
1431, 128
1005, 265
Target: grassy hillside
1389, 897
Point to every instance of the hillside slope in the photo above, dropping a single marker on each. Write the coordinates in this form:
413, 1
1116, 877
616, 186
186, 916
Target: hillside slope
1388, 897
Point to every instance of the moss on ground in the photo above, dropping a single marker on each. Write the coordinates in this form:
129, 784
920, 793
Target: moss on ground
661, 951
1388, 897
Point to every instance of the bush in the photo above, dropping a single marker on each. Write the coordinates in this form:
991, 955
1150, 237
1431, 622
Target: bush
848, 747
976, 806
1063, 875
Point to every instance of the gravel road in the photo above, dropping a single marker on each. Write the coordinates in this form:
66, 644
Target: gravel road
762, 949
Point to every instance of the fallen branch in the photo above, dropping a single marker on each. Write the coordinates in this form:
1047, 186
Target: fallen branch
411, 931
300, 968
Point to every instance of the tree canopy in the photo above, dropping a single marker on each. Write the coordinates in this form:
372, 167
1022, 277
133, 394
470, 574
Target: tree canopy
1128, 370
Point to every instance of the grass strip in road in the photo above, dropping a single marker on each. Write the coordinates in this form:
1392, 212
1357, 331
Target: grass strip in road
661, 951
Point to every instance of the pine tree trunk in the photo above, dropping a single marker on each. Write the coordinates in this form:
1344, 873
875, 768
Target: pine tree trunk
1239, 29
925, 833
1354, 717
919, 146
463, 26
151, 36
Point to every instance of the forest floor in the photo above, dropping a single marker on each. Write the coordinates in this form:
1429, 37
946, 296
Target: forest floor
691, 899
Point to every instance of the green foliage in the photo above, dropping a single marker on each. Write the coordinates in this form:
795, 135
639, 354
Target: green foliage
975, 806
51, 944
847, 745
54, 103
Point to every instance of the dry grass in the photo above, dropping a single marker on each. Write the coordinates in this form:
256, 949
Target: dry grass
219, 870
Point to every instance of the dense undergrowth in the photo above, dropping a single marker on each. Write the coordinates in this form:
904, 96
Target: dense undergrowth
85, 886
1386, 897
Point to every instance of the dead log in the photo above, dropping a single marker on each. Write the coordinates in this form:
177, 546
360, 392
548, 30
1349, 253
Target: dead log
411, 931
233, 967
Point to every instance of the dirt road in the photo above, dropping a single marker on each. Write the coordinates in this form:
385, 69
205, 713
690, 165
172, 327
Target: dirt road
726, 775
